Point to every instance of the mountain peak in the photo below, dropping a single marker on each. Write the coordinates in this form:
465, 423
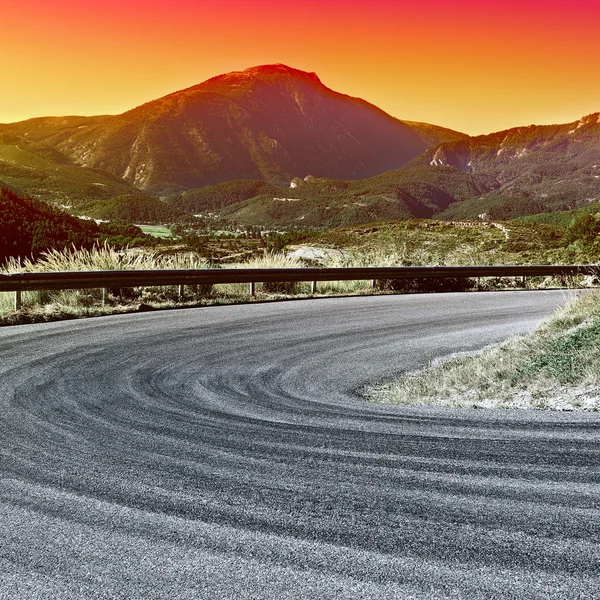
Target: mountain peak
280, 70
271, 72
271, 122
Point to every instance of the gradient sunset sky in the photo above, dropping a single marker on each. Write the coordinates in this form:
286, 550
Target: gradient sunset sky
472, 65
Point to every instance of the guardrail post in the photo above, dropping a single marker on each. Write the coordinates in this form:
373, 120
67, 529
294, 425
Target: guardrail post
103, 296
18, 300
180, 292
252, 288
313, 287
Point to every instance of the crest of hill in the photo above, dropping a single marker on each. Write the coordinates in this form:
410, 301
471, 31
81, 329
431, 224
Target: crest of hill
132, 208
420, 192
51, 130
268, 123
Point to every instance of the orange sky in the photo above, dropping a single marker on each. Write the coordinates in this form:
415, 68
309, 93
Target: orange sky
475, 66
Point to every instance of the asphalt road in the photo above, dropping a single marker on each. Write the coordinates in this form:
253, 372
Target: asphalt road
227, 453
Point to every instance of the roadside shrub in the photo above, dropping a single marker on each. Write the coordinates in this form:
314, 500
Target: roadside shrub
281, 287
432, 284
568, 358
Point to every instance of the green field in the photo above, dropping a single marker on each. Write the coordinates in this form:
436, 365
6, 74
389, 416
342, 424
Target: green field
159, 231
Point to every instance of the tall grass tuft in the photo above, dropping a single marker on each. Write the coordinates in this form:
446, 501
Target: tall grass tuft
104, 258
276, 260
99, 258
367, 258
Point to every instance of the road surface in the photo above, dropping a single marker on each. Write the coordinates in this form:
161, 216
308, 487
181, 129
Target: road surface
227, 453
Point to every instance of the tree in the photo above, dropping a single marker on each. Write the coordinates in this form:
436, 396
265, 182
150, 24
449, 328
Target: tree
585, 228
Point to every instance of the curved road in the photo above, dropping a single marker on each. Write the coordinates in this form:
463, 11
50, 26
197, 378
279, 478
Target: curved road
227, 453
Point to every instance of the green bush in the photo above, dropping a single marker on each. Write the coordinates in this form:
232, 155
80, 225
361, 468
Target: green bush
584, 228
281, 287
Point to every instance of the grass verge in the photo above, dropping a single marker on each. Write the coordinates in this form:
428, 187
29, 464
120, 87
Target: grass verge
556, 367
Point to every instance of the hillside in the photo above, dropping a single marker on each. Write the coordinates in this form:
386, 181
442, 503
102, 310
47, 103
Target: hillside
323, 202
505, 175
561, 218
270, 122
38, 169
133, 208
432, 242
535, 169
29, 227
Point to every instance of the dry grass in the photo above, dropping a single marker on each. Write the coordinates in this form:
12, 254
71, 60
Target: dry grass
104, 258
44, 306
558, 366
273, 260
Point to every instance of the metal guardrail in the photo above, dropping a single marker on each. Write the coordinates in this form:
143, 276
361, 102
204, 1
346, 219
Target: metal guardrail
20, 282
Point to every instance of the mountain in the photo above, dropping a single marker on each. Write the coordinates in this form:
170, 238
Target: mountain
36, 168
270, 122
533, 169
272, 145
